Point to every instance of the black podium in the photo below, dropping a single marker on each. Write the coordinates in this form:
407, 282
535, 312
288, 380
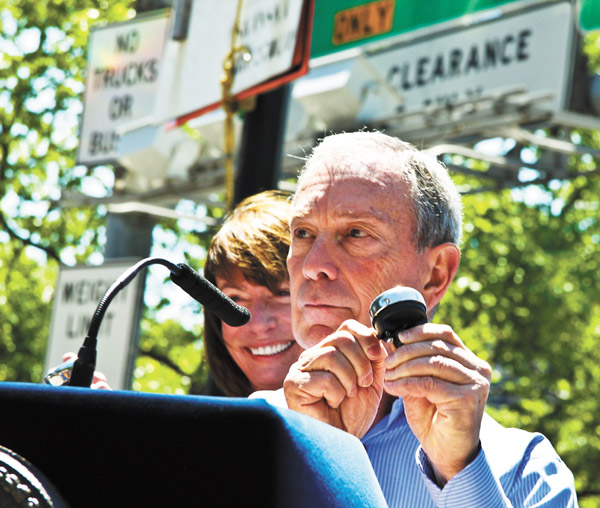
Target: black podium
115, 448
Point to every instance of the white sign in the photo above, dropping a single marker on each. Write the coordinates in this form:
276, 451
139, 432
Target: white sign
124, 65
193, 69
78, 292
532, 49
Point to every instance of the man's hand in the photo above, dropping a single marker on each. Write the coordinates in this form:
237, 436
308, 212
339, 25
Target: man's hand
340, 380
445, 388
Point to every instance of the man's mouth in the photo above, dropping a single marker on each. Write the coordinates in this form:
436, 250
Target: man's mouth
324, 306
271, 350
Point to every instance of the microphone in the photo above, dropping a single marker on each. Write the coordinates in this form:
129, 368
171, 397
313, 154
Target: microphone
395, 310
210, 296
206, 293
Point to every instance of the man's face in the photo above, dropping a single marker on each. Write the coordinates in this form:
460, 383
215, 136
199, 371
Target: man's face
351, 240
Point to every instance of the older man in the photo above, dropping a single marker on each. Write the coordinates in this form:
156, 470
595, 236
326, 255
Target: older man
371, 213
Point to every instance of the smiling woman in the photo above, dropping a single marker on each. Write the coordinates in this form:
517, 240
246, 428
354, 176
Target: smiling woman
247, 261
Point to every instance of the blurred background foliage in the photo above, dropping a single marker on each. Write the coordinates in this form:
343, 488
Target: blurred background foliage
526, 297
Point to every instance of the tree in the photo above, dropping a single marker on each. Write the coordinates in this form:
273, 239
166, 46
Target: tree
42, 64
526, 301
42, 72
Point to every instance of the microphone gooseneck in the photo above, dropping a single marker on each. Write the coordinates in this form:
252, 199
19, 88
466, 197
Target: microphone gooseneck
202, 290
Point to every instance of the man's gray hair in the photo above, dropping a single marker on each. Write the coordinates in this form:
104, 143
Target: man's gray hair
437, 205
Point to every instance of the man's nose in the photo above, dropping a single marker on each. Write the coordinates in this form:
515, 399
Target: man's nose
320, 261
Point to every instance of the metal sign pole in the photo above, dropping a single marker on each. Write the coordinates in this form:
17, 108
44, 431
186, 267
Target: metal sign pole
264, 127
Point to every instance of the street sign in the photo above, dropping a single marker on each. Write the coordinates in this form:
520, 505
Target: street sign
589, 17
344, 24
532, 49
124, 64
275, 36
78, 292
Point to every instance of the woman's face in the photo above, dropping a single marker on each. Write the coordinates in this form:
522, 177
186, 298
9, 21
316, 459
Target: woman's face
264, 348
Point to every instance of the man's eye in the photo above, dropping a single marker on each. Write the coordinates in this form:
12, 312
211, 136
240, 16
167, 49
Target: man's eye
357, 233
301, 233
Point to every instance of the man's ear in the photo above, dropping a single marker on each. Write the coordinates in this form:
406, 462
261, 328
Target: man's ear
442, 262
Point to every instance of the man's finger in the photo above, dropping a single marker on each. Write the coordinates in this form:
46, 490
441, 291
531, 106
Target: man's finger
435, 366
433, 349
430, 331
330, 359
303, 389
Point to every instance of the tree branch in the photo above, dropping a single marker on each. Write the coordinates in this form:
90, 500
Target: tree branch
3, 158
26, 241
155, 355
588, 493
577, 193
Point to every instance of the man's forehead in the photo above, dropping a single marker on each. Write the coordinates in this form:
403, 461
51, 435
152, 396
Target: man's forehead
346, 168
350, 196
368, 214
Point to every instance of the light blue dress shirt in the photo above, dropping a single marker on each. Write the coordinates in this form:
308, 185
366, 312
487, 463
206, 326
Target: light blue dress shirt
513, 469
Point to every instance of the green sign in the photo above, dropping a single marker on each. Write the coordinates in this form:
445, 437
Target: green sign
589, 18
343, 24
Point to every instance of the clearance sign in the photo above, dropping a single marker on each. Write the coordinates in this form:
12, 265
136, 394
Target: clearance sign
344, 24
532, 49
